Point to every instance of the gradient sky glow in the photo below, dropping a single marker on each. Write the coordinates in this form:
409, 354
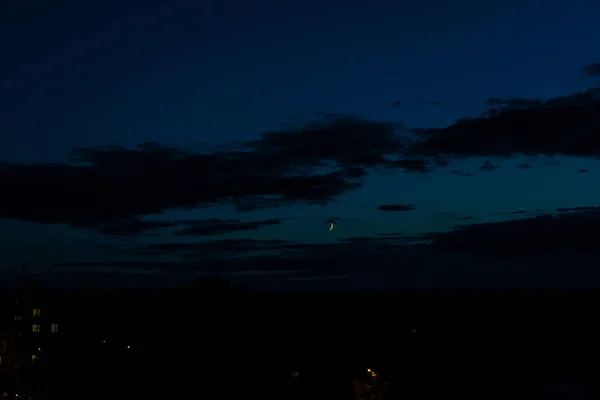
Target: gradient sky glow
188, 73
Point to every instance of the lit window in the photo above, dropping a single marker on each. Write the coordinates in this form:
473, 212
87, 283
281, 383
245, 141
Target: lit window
53, 327
0, 359
18, 318
36, 312
35, 328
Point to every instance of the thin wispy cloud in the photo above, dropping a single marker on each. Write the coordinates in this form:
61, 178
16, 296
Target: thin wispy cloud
396, 207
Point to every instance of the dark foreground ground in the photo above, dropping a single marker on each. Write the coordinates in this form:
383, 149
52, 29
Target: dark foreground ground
242, 345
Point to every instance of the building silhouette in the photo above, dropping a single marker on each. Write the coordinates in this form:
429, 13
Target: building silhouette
30, 334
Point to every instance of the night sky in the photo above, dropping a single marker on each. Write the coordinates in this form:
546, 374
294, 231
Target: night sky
452, 143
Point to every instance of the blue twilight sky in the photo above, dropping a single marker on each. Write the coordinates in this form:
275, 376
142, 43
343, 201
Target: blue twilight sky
192, 73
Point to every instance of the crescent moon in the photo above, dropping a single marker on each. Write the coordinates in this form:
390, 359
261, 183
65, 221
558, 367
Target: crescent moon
331, 225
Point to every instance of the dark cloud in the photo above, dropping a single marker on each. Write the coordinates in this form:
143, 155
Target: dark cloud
216, 226
497, 105
362, 239
127, 227
435, 102
488, 166
592, 70
529, 213
328, 114
398, 103
583, 170
465, 254
456, 216
396, 207
109, 188
226, 245
576, 209
517, 212
525, 166
441, 162
462, 174
317, 278
380, 242
251, 254
412, 165
223, 249
573, 231
113, 189
567, 125
348, 142
118, 186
